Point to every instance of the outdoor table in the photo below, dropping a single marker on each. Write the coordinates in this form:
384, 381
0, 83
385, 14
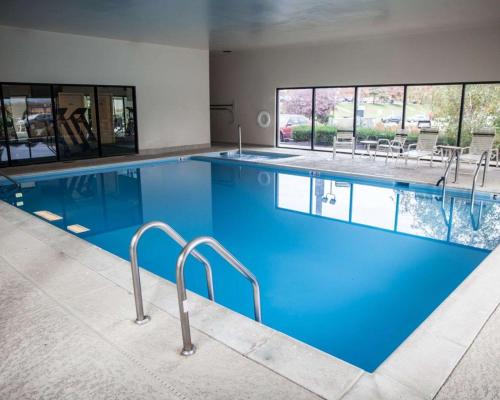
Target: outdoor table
448, 150
368, 145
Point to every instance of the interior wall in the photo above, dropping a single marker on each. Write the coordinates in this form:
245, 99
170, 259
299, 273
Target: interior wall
172, 83
250, 78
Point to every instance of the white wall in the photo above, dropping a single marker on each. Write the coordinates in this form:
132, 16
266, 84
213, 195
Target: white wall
172, 84
250, 78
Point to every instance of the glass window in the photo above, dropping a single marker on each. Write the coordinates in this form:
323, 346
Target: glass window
334, 109
436, 106
28, 112
76, 121
379, 112
295, 118
116, 120
481, 110
294, 192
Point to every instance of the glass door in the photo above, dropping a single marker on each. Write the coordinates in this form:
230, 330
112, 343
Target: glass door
29, 123
116, 120
76, 122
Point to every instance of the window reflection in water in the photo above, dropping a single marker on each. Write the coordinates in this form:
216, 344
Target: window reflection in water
401, 211
294, 192
331, 198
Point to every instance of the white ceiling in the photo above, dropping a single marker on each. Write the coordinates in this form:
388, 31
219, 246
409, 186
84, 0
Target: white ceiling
242, 24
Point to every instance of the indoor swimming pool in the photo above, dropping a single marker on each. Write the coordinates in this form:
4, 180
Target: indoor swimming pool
350, 266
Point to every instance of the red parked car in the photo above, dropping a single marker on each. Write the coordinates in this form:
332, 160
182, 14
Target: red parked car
287, 122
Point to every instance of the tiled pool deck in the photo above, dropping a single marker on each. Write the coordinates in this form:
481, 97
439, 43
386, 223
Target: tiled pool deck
67, 329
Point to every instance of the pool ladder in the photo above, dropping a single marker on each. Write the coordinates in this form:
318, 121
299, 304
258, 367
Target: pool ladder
188, 347
13, 181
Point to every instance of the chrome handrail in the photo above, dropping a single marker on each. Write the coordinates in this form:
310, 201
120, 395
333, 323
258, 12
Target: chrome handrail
136, 280
188, 348
10, 179
444, 179
473, 190
239, 140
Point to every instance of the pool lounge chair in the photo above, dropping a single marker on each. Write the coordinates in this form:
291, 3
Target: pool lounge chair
482, 141
393, 147
344, 139
425, 146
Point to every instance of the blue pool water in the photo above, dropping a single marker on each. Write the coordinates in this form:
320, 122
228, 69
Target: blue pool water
351, 267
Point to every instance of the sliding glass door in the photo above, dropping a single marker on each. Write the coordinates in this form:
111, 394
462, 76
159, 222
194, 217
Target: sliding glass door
29, 123
116, 120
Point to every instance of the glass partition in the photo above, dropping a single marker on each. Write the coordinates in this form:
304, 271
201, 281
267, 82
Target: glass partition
295, 117
481, 110
116, 120
334, 109
379, 112
436, 106
29, 123
76, 122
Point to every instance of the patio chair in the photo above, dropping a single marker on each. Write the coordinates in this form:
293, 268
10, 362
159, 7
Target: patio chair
344, 139
394, 146
425, 146
482, 141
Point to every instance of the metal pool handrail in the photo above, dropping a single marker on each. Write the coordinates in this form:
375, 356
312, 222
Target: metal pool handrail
141, 318
188, 348
444, 179
473, 190
10, 179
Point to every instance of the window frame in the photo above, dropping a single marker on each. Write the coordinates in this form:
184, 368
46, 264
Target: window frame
356, 87
52, 86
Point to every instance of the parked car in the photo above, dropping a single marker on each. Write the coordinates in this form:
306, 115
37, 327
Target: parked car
394, 119
288, 121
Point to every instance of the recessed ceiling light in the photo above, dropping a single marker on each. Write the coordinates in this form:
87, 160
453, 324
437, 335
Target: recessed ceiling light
48, 215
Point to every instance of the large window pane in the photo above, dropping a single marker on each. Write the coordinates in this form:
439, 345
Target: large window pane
436, 106
76, 121
116, 120
295, 118
481, 109
28, 111
334, 110
379, 111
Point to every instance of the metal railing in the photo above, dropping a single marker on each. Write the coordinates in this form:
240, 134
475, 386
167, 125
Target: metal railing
188, 348
13, 181
444, 179
239, 140
485, 155
136, 280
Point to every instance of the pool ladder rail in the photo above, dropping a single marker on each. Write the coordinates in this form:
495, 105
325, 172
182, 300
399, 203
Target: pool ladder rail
13, 181
188, 249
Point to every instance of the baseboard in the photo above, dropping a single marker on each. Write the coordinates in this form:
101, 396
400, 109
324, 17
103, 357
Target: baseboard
174, 149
